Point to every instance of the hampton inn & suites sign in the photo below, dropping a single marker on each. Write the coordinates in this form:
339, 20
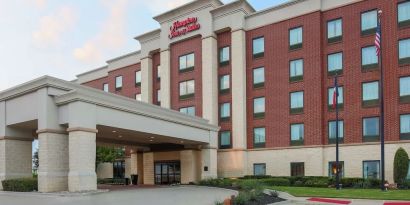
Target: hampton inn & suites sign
180, 28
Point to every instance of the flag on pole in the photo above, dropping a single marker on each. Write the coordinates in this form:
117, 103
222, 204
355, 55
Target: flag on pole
378, 39
335, 94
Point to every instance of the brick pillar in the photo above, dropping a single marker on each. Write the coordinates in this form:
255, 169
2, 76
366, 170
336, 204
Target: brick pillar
53, 162
82, 151
148, 161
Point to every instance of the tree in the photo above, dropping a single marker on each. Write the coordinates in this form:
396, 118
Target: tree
401, 165
108, 154
35, 160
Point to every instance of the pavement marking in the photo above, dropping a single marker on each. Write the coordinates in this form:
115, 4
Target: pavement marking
333, 201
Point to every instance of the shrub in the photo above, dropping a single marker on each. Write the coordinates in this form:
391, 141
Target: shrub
401, 165
404, 185
256, 177
20, 185
241, 199
276, 182
250, 184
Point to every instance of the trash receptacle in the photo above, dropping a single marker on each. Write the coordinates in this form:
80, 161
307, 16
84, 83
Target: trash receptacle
127, 181
134, 179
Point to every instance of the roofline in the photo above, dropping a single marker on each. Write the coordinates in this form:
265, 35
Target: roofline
91, 71
146, 34
233, 3
276, 7
124, 56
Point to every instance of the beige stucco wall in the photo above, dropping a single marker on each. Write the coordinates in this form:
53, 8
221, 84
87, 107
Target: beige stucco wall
105, 170
232, 163
127, 167
148, 164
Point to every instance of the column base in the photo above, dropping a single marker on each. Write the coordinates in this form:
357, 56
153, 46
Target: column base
79, 182
52, 182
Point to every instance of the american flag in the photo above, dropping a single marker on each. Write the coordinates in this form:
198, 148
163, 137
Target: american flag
377, 41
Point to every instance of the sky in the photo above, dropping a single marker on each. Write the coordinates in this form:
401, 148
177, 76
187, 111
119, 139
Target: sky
64, 38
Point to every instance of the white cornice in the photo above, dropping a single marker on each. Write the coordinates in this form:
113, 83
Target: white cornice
124, 56
233, 7
149, 36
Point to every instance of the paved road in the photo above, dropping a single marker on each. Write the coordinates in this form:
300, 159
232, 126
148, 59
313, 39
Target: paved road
183, 195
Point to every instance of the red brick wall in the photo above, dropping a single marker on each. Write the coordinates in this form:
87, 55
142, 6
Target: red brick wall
97, 83
156, 83
193, 45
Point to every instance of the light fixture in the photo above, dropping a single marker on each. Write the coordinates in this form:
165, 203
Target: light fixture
114, 131
151, 140
152, 137
119, 136
182, 141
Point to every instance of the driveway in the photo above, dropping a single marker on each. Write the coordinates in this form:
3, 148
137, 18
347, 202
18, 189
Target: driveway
181, 195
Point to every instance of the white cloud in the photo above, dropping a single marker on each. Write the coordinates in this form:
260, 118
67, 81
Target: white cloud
112, 34
160, 6
40, 4
52, 27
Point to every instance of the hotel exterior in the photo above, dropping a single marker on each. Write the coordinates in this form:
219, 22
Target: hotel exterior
224, 91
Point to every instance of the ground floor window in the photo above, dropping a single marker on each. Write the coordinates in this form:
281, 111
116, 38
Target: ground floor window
371, 169
297, 169
119, 169
333, 166
259, 169
168, 172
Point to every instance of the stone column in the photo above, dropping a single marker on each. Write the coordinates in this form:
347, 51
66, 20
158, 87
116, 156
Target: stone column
82, 151
146, 79
210, 79
136, 165
209, 163
148, 160
189, 166
165, 78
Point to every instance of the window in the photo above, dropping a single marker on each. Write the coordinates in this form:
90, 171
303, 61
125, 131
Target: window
369, 58
403, 16
371, 169
297, 169
297, 134
259, 137
138, 78
369, 22
186, 89
224, 84
259, 107
370, 129
296, 70
138, 96
405, 89
333, 169
105, 87
259, 77
334, 31
188, 110
119, 169
159, 96
187, 62
332, 132
405, 127
159, 72
224, 56
118, 82
225, 111
258, 47
259, 169
295, 38
225, 140
370, 94
335, 63
330, 93
296, 102
404, 51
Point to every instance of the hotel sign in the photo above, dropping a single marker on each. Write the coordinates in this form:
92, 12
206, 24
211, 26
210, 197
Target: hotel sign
180, 28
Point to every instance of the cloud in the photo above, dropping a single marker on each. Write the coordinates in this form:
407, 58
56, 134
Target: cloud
112, 34
160, 6
52, 27
40, 4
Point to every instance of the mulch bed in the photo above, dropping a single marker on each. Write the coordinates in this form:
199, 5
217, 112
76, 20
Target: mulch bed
265, 199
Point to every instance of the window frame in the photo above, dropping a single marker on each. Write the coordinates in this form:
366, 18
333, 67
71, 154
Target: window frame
371, 103
338, 71
402, 24
369, 67
187, 107
370, 31
108, 87
225, 90
260, 54
230, 140
335, 39
364, 161
259, 144
403, 136
339, 105
299, 142
297, 110
403, 61
226, 62
333, 140
296, 78
298, 45
406, 98
138, 84
260, 84
259, 115
341, 169
371, 138
187, 95
259, 164
225, 118
186, 69
293, 165
116, 85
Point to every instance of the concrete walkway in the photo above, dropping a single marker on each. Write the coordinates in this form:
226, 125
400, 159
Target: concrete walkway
181, 195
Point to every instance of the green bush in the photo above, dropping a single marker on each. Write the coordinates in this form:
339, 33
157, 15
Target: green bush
256, 177
404, 185
250, 184
401, 165
20, 185
276, 182
241, 199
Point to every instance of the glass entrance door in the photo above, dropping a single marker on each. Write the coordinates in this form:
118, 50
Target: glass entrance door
167, 172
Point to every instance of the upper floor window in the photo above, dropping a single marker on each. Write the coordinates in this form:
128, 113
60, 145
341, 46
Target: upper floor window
138, 78
332, 131
296, 102
186, 89
259, 169
405, 89
297, 134
371, 169
404, 51
330, 94
334, 31
335, 63
259, 137
118, 82
259, 107
159, 72
187, 62
296, 70
188, 110
405, 127
371, 129
225, 111
259, 77
369, 58
105, 87
369, 22
224, 56
224, 84
225, 140
370, 94
258, 47
297, 169
403, 15
138, 96
295, 38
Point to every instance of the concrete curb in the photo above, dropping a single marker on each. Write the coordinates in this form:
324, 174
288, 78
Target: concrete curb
60, 194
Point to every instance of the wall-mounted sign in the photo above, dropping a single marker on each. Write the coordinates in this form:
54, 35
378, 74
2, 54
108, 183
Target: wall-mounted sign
180, 28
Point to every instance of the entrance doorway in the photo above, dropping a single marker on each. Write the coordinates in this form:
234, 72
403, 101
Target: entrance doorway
167, 172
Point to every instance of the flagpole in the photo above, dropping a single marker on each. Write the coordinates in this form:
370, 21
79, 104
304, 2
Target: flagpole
381, 127
337, 135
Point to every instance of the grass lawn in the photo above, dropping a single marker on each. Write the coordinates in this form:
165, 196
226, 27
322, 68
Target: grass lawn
345, 193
